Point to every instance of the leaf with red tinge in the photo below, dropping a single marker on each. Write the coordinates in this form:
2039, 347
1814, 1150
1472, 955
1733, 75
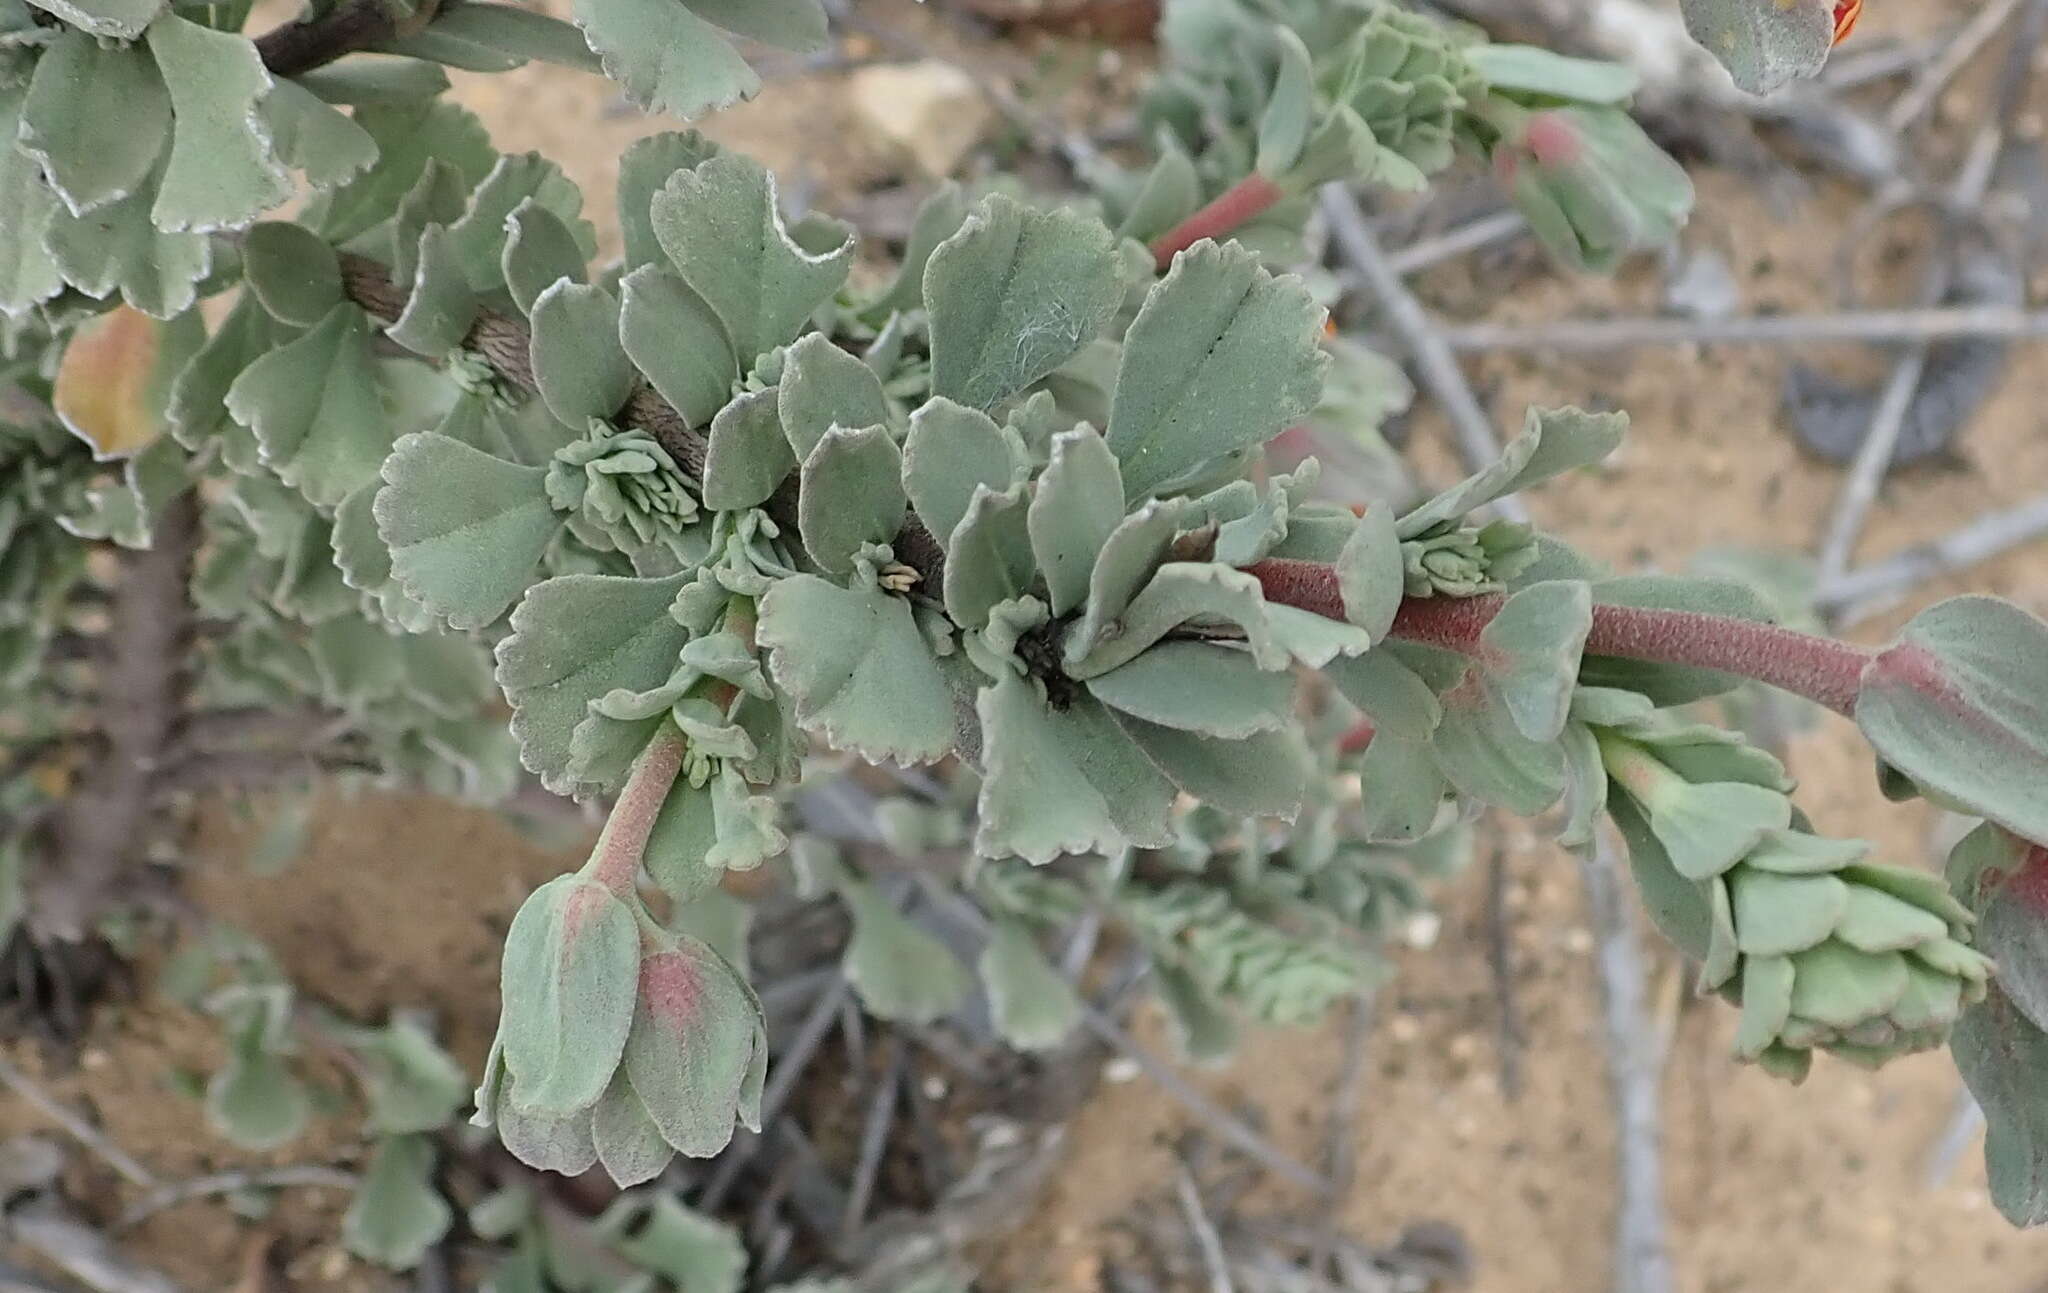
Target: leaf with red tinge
1766, 43
568, 987
697, 1032
113, 384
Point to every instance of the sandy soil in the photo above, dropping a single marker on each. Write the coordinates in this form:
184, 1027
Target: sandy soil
402, 901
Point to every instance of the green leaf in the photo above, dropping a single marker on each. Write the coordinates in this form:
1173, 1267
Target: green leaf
254, 1100
412, 1085
1130, 557
220, 174
786, 24
693, 1252
1531, 652
1178, 593
438, 314
1526, 69
575, 638
1960, 705
643, 170
292, 271
823, 387
697, 1035
902, 973
1552, 442
397, 1214
1262, 775
1199, 687
572, 959
852, 495
1077, 506
117, 247
465, 529
408, 137
28, 275
375, 82
116, 19
539, 249
628, 1142
722, 229
1290, 108
316, 407
673, 337
938, 216
305, 134
989, 561
1371, 573
1484, 753
516, 32
748, 456
479, 236
1062, 780
858, 670
665, 57
1408, 789
1392, 695
1763, 46
1033, 1005
92, 154
578, 363
950, 451
1013, 295
1222, 357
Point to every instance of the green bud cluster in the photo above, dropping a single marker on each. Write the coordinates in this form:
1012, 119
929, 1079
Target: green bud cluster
1406, 77
1823, 948
626, 483
1454, 559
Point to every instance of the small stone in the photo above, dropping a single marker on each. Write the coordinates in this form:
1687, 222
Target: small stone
930, 111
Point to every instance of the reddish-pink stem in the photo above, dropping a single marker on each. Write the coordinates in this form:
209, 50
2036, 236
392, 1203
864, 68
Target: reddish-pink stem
1822, 670
1241, 203
615, 863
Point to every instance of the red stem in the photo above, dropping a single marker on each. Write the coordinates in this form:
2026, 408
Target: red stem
615, 863
1822, 670
1241, 203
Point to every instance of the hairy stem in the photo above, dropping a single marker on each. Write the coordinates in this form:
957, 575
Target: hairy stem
615, 862
139, 711
1238, 205
1822, 670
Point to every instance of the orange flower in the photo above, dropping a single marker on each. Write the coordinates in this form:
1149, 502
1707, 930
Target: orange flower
1846, 14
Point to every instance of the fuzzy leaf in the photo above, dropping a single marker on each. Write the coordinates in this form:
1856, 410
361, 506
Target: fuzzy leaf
1371, 574
1290, 108
574, 639
117, 248
823, 387
1531, 648
1033, 1005
1960, 705
1013, 295
1482, 751
479, 236
325, 145
117, 19
578, 363
515, 32
696, 1032
411, 1084
1552, 442
665, 57
539, 249
858, 670
902, 973
938, 217
644, 168
316, 407
292, 271
691, 1252
571, 961
852, 495
1262, 775
1062, 781
674, 338
1129, 558
1527, 69
1178, 593
989, 561
1078, 504
1198, 687
950, 451
748, 456
1222, 358
722, 229
628, 1142
409, 137
27, 274
220, 174
442, 306
465, 529
1392, 695
397, 1214
92, 153
1763, 46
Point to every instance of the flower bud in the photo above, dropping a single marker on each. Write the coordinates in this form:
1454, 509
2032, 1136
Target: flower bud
1593, 186
624, 481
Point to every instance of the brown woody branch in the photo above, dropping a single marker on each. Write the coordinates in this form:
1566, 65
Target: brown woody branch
299, 47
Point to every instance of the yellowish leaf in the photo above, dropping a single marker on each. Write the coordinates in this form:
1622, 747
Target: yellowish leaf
108, 391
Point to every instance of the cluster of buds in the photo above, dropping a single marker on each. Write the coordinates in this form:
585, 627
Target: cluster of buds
1453, 559
618, 1042
624, 482
1823, 948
